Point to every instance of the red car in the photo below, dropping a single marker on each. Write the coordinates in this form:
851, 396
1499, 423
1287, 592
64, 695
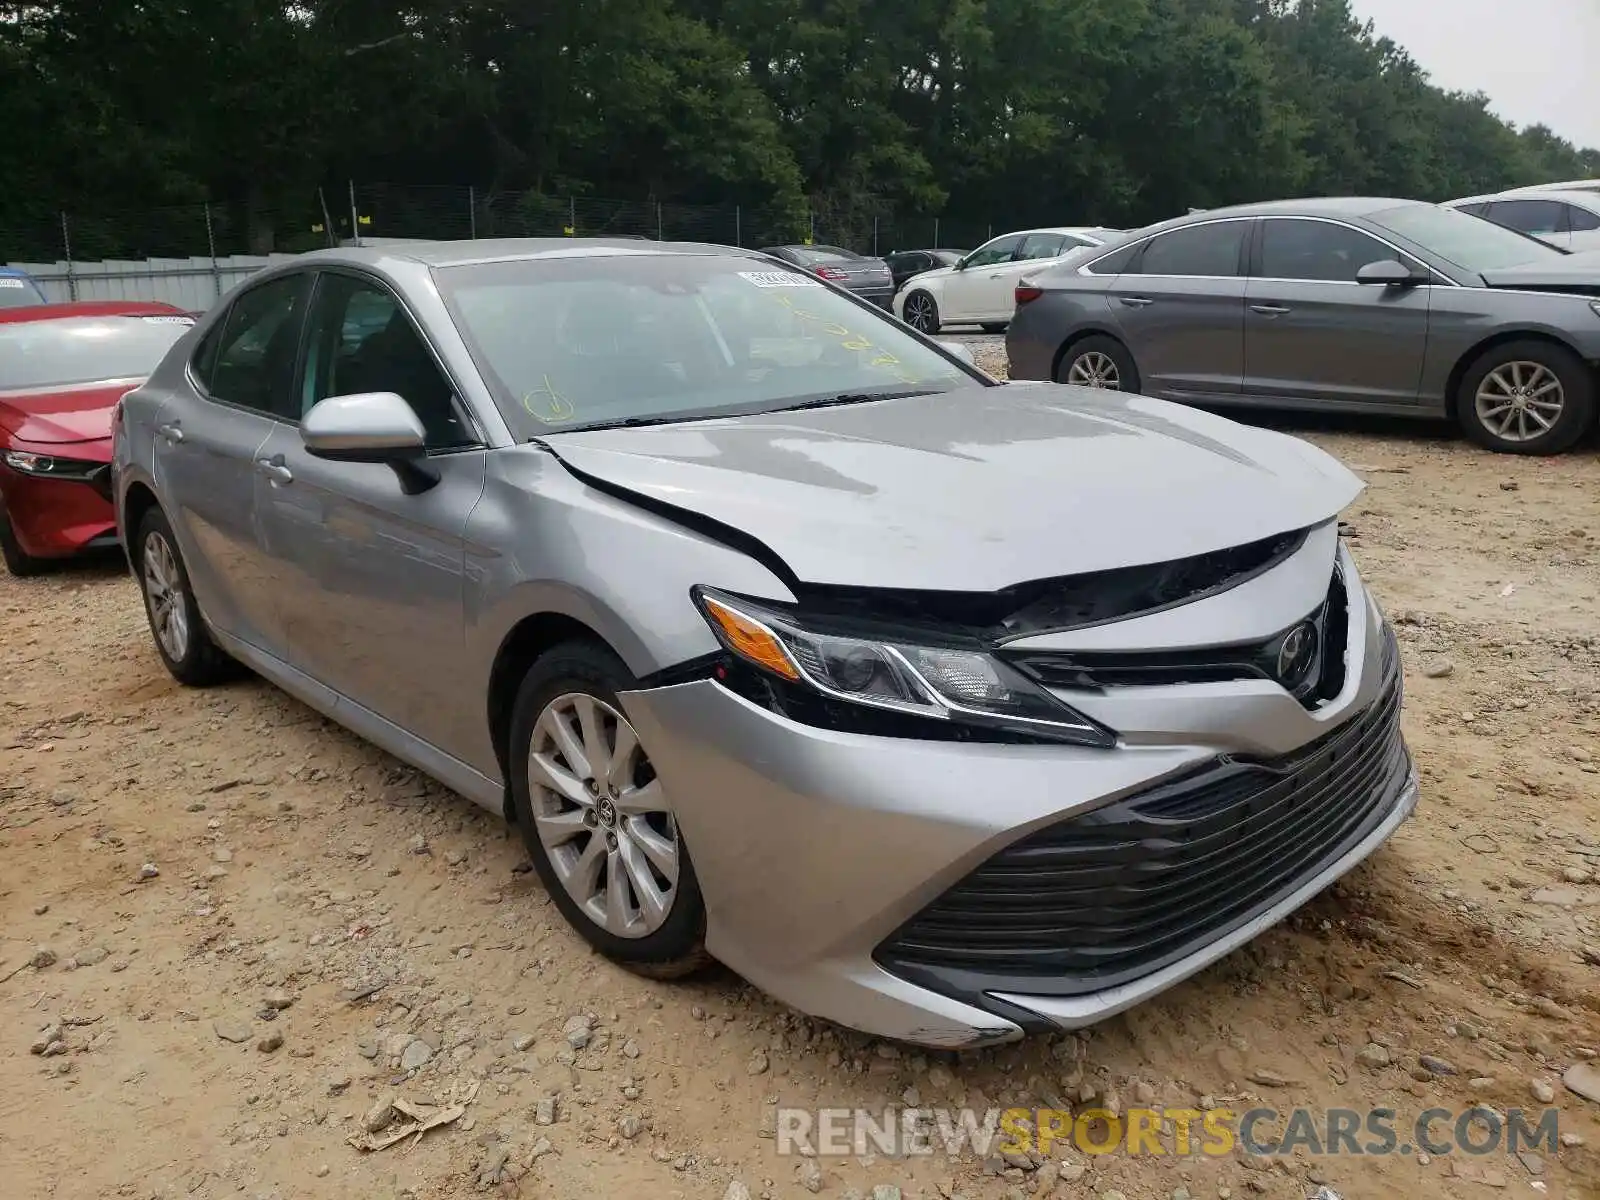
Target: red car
63, 367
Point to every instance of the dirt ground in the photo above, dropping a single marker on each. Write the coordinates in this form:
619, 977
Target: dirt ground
292, 869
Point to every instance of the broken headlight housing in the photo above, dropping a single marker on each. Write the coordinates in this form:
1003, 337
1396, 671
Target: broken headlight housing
957, 685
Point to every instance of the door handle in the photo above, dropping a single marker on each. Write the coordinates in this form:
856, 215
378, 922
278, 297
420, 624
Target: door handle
274, 470
1270, 310
998, 275
1135, 301
171, 432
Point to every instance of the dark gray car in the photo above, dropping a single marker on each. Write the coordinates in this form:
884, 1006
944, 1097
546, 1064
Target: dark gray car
869, 278
1388, 306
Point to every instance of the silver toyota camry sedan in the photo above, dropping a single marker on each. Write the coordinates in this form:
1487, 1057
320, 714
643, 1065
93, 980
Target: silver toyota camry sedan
944, 709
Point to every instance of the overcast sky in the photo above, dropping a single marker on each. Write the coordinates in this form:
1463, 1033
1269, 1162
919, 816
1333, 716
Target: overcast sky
1537, 60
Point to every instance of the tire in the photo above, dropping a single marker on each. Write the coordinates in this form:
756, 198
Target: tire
18, 561
1094, 357
994, 327
563, 683
1553, 386
921, 312
192, 659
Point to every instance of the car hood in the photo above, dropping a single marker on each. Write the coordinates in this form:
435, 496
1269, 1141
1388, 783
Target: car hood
977, 489
81, 413
1577, 273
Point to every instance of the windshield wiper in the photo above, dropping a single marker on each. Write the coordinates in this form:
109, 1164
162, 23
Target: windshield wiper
855, 398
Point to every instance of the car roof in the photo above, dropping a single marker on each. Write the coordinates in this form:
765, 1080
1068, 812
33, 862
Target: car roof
1557, 195
90, 308
464, 253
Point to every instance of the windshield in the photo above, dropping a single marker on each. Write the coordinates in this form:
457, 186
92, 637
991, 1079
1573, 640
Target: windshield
1466, 241
18, 290
69, 350
569, 343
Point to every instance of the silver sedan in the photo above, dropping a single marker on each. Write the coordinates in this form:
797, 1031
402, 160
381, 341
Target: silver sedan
943, 709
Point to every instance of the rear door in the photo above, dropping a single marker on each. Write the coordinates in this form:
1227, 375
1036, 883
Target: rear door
1180, 305
1312, 333
208, 434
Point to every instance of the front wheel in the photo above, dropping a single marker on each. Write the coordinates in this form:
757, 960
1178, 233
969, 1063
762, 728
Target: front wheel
181, 636
1099, 362
921, 312
597, 821
1527, 397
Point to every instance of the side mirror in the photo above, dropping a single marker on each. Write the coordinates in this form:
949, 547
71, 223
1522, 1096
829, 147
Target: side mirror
961, 263
1387, 272
371, 427
959, 350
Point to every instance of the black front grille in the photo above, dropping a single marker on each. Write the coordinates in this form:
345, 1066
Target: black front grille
1124, 890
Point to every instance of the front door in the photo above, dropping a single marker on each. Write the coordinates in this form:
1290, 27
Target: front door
369, 579
1312, 333
1180, 306
967, 293
208, 438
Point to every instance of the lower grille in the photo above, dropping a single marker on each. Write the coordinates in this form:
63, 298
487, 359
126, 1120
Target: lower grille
1114, 894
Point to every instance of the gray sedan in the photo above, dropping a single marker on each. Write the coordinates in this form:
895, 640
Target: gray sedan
1368, 305
942, 709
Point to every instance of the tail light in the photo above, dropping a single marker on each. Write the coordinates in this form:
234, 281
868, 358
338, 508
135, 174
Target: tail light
832, 273
1027, 293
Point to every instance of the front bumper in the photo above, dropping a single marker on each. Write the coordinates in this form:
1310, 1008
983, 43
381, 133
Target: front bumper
54, 518
814, 847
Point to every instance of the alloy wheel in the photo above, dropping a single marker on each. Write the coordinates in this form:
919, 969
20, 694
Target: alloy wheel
1520, 401
919, 312
601, 815
1096, 370
163, 588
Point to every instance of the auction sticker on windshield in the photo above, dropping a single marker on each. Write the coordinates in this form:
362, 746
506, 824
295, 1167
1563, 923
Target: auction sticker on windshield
778, 279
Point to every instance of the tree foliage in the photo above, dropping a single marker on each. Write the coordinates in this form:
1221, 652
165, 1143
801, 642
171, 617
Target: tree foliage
1018, 111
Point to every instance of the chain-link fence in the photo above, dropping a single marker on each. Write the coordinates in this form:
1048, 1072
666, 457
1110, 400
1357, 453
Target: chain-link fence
221, 240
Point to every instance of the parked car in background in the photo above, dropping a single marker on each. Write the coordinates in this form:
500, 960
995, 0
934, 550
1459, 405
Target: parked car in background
1374, 305
904, 264
752, 609
18, 289
977, 289
63, 367
868, 278
1569, 219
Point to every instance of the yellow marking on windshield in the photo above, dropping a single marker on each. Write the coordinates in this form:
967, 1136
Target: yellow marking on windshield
553, 408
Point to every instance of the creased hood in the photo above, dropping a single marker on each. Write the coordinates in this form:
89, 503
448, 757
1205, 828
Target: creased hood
81, 413
975, 490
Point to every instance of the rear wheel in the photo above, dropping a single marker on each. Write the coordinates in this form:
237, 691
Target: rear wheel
921, 312
597, 822
181, 636
1099, 362
18, 561
1527, 397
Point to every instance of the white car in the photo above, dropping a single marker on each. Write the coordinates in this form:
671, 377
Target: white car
979, 289
1567, 215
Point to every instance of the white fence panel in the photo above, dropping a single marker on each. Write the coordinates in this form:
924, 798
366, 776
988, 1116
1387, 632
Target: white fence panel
190, 283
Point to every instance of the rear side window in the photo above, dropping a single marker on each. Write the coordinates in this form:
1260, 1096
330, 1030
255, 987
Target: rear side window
1194, 250
1317, 250
1581, 220
254, 358
1117, 261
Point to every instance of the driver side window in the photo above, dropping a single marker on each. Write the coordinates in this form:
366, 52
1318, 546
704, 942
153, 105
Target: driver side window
361, 340
998, 251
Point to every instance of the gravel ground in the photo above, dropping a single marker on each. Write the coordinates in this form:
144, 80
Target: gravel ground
230, 933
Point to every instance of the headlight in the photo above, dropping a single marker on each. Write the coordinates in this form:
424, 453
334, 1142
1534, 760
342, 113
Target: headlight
50, 467
940, 683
